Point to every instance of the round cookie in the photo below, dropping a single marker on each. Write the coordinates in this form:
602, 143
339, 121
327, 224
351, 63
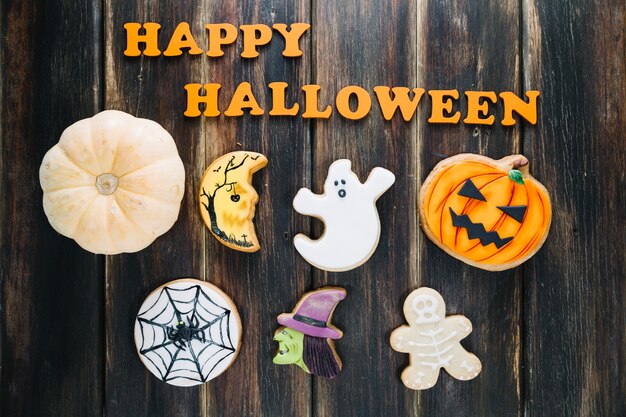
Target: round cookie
187, 332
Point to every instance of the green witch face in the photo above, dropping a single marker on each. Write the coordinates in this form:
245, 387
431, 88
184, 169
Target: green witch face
290, 347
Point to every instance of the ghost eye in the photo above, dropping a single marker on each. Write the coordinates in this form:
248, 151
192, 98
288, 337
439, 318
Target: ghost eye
283, 332
515, 212
343, 182
336, 183
469, 190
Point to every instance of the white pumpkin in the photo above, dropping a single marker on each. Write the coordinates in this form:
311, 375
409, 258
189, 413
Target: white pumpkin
113, 183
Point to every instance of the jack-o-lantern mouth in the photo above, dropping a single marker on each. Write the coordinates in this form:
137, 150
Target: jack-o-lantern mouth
478, 231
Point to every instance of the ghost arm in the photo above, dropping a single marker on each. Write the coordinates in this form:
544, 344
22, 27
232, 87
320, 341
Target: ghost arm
379, 181
309, 204
460, 324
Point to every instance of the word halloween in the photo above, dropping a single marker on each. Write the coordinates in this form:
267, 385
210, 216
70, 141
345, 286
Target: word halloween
351, 102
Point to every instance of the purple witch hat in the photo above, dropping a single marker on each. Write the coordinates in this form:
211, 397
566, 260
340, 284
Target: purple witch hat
313, 312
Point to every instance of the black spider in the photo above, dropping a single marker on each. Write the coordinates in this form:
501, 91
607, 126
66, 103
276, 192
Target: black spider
183, 334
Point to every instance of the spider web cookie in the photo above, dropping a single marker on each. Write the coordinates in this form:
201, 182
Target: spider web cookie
187, 332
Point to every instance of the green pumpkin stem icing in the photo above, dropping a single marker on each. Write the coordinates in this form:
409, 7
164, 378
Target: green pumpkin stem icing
516, 176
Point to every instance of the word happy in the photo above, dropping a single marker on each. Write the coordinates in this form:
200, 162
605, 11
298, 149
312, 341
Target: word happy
351, 102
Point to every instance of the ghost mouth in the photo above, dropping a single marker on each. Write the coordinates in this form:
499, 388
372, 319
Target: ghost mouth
283, 352
478, 231
342, 193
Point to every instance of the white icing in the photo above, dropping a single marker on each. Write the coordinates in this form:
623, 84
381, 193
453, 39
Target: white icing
208, 354
425, 306
348, 210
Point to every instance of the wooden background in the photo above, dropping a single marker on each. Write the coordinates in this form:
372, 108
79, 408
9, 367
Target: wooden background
550, 333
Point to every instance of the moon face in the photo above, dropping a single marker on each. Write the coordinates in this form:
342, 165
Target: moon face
228, 199
348, 210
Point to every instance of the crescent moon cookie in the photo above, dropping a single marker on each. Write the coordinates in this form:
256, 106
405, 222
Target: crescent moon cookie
432, 341
307, 337
187, 332
491, 214
348, 210
113, 183
228, 199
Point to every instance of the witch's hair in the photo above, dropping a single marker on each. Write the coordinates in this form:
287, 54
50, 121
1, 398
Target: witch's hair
319, 358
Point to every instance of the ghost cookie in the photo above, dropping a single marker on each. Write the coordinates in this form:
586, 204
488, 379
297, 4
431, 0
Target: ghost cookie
432, 341
306, 338
228, 199
491, 214
187, 332
348, 210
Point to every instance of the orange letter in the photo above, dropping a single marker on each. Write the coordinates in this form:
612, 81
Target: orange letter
243, 99
311, 102
250, 40
194, 99
513, 103
278, 101
439, 106
475, 108
400, 99
182, 38
363, 102
292, 37
133, 38
216, 40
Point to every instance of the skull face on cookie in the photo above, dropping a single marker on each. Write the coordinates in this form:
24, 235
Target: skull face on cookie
432, 341
348, 210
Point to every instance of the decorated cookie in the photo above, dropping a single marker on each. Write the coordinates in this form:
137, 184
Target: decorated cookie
187, 332
113, 183
432, 341
306, 338
489, 214
348, 210
228, 200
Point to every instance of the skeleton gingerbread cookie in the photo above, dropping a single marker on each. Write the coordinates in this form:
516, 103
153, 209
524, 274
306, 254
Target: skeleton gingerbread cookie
432, 341
348, 210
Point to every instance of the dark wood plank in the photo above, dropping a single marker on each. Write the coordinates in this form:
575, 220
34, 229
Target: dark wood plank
152, 88
575, 343
467, 47
270, 281
368, 44
51, 290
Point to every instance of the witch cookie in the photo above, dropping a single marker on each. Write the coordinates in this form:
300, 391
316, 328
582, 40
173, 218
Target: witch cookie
491, 214
348, 210
187, 332
432, 341
307, 338
228, 199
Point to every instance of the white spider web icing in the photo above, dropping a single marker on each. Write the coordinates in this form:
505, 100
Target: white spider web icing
212, 347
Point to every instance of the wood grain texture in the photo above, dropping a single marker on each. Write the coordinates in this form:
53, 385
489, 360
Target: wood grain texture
368, 44
51, 289
268, 282
575, 341
152, 88
465, 47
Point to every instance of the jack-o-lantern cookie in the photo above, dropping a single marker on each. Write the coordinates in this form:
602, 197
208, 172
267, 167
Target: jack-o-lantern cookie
306, 338
187, 332
491, 214
228, 199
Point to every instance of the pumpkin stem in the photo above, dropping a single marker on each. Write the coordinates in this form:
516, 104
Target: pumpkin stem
106, 183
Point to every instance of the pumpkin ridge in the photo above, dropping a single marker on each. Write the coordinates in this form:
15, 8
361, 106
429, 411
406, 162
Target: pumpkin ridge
129, 218
76, 164
82, 216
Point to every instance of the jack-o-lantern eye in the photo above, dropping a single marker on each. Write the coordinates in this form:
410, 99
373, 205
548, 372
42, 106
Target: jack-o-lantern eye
515, 212
469, 190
